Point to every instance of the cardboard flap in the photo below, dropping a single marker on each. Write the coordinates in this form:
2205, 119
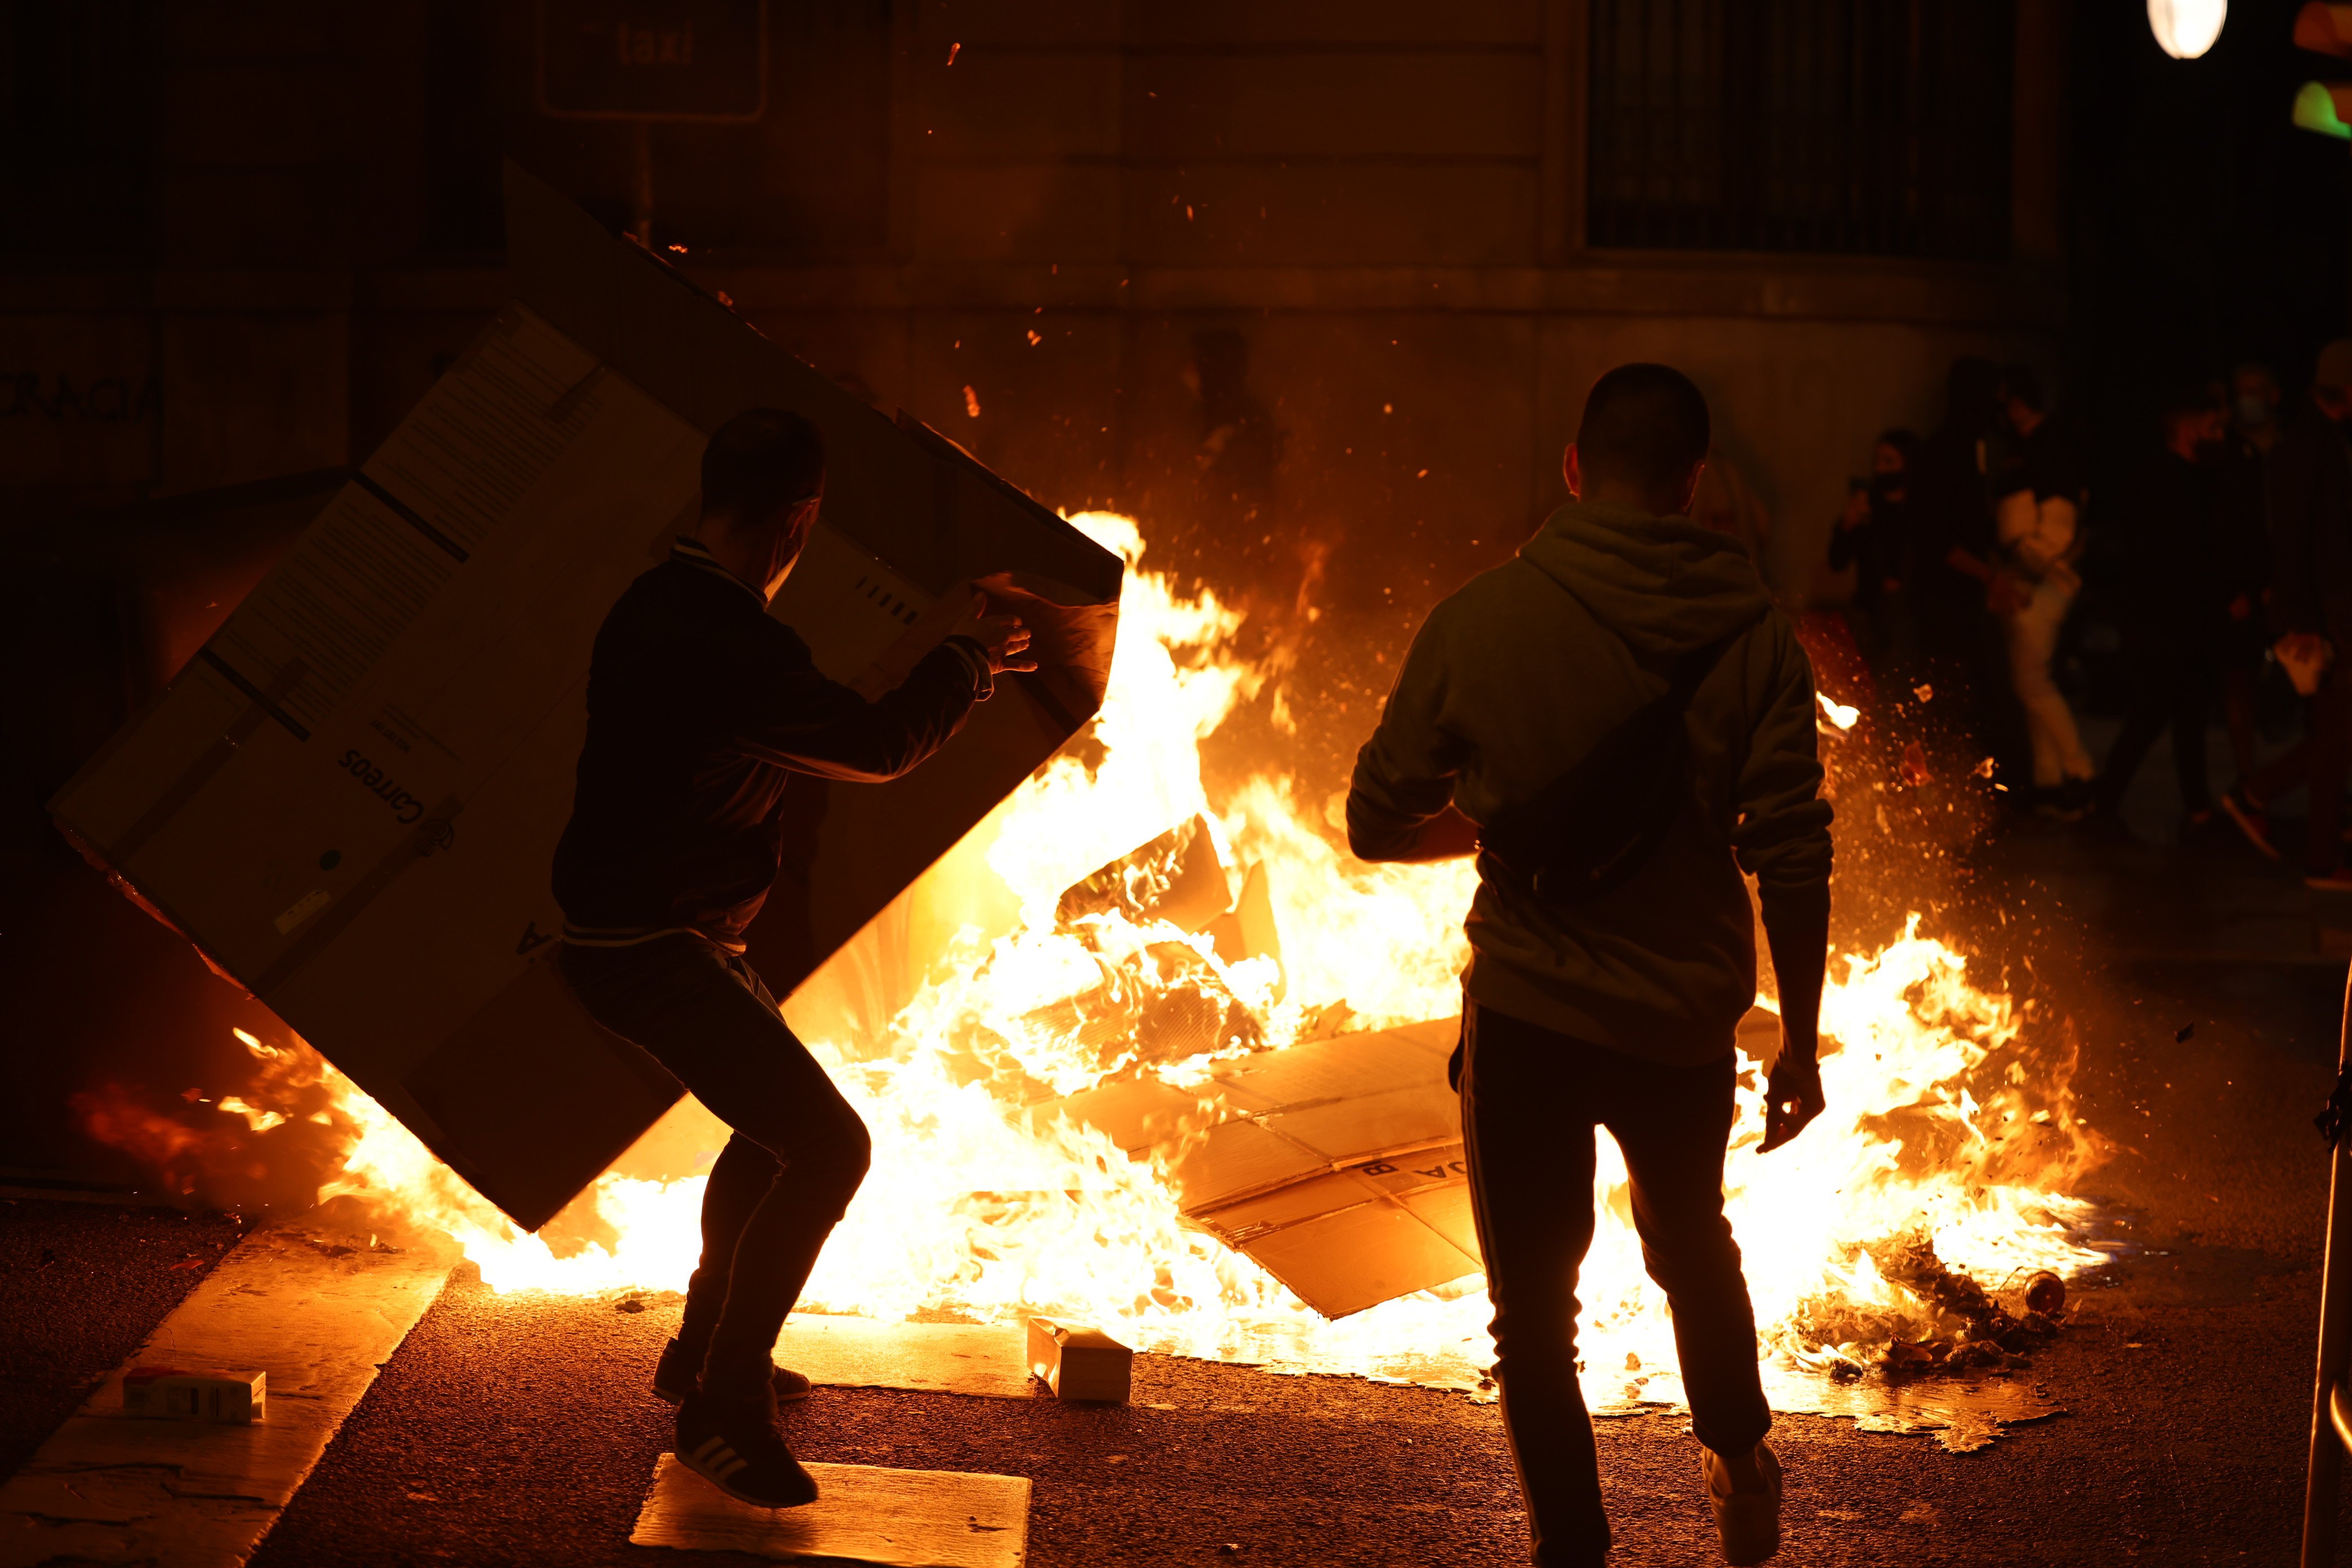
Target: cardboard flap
533, 1077
912, 496
351, 797
1336, 1165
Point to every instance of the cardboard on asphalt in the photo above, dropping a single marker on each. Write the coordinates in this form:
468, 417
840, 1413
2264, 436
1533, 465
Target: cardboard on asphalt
864, 1514
1337, 1164
349, 800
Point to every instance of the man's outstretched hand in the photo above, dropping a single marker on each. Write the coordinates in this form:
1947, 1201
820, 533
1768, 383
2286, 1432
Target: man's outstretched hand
1002, 637
1792, 1093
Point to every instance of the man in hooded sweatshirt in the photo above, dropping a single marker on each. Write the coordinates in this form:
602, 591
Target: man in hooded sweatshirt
1615, 1004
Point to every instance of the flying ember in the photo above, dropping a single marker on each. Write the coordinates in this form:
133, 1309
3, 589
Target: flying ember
1045, 958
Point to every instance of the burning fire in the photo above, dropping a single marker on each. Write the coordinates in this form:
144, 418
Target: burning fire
985, 1203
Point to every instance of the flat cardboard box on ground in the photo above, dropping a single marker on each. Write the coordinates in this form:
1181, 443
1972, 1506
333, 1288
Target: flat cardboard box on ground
349, 799
1337, 1164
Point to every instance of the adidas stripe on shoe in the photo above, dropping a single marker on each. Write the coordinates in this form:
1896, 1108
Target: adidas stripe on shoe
737, 1448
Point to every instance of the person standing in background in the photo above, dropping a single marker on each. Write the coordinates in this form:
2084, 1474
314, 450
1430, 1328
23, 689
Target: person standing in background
1954, 586
2242, 552
1241, 445
2172, 608
1727, 504
1951, 535
1869, 536
2254, 403
2310, 496
2036, 517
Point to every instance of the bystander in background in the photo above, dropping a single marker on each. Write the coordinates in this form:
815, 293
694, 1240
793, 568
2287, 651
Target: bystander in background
2038, 495
1241, 445
1953, 578
1726, 503
2242, 553
2310, 507
2254, 403
1871, 538
2172, 606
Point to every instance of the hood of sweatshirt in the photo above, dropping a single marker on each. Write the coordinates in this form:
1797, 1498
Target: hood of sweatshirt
1664, 584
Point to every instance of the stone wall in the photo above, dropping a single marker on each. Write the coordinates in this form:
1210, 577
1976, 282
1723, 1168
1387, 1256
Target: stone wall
1378, 200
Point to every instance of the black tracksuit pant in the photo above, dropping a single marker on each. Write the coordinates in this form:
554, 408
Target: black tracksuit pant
796, 1158
2173, 679
1530, 1100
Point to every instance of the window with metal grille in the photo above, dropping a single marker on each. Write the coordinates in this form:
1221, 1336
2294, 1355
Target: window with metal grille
1877, 127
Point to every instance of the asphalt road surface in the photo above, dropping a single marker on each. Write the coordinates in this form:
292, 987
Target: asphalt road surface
522, 1428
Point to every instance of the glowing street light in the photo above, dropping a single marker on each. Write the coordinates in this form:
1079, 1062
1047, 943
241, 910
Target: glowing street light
2186, 28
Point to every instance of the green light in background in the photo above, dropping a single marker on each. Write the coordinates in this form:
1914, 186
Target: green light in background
2315, 110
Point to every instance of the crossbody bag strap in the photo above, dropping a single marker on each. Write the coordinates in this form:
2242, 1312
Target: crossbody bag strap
1704, 660
1692, 669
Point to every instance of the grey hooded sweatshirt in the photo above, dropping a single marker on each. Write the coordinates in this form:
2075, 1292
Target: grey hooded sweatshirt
1516, 676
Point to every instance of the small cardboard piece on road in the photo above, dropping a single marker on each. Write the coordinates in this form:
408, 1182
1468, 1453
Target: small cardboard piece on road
1079, 1362
174, 1393
349, 799
864, 1514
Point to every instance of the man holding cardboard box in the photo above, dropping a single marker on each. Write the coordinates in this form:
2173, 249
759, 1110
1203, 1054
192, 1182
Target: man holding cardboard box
700, 706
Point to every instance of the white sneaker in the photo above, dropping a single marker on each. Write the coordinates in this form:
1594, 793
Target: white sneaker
1747, 1521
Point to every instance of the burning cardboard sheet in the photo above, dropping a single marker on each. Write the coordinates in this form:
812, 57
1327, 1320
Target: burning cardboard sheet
1337, 1164
349, 800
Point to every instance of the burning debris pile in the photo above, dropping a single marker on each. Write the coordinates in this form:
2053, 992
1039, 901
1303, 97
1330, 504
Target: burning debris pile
1123, 967
1974, 1332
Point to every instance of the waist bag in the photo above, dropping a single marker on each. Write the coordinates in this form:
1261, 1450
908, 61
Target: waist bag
1589, 830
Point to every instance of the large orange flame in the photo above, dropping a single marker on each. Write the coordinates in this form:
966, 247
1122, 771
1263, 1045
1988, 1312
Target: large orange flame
983, 1204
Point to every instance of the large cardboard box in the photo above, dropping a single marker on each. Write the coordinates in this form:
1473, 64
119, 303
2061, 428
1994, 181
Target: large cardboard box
349, 800
1337, 1164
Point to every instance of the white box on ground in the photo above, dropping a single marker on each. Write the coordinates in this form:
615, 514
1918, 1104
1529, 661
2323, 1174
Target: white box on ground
1079, 1362
168, 1393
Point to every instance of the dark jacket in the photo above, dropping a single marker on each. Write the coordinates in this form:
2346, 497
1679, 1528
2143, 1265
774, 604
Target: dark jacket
1950, 507
1515, 677
700, 705
2311, 530
2048, 462
1873, 547
2174, 591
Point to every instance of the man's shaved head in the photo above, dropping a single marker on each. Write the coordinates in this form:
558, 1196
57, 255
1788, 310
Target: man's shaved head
760, 462
1645, 428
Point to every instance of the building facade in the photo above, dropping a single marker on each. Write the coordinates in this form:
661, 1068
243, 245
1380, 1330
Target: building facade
1274, 277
